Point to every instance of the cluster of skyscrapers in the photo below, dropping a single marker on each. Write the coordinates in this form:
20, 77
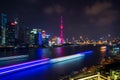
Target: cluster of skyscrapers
10, 34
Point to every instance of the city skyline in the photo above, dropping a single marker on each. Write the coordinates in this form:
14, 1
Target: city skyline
90, 18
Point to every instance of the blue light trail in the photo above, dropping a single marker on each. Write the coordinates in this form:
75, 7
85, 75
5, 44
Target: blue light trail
22, 66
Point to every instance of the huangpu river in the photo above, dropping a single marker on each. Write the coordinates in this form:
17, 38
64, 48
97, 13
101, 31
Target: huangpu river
57, 70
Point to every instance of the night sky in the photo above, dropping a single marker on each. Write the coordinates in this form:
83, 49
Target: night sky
88, 18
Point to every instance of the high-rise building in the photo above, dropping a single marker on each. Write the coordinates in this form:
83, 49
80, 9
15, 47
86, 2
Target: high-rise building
27, 35
3, 28
45, 39
16, 28
10, 35
35, 37
0, 35
38, 37
0, 31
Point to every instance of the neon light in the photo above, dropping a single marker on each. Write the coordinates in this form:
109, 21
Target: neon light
21, 66
39, 38
85, 52
12, 24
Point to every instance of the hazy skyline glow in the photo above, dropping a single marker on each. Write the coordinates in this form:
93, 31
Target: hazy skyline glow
91, 18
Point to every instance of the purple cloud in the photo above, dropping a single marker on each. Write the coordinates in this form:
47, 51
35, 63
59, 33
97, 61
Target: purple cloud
48, 10
102, 14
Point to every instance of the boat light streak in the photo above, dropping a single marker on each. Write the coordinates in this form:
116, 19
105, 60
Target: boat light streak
70, 57
26, 63
13, 57
66, 58
21, 66
85, 52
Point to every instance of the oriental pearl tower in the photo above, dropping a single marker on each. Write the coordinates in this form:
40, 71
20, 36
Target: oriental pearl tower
61, 30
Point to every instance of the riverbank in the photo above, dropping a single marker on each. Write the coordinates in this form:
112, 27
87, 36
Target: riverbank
104, 68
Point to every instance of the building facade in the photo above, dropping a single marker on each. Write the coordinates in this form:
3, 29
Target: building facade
10, 35
3, 25
38, 37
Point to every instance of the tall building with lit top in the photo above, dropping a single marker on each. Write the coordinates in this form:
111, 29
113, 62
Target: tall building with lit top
35, 35
43, 33
10, 35
45, 39
7, 31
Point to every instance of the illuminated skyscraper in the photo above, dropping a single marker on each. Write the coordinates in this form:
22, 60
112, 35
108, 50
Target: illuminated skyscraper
17, 28
39, 37
27, 35
35, 37
3, 28
61, 30
10, 35
0, 31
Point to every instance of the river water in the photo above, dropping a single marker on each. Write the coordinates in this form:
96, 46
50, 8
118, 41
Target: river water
56, 70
